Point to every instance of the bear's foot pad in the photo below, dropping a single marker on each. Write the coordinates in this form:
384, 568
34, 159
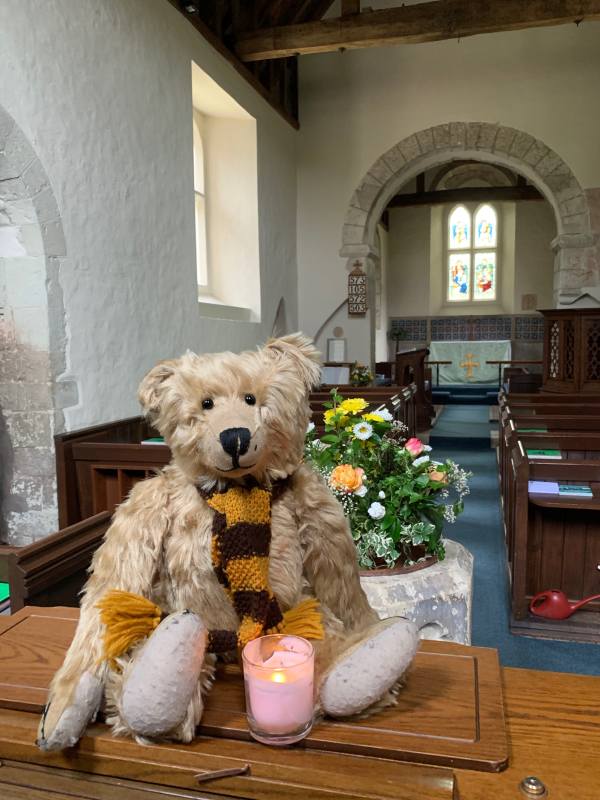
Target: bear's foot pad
365, 673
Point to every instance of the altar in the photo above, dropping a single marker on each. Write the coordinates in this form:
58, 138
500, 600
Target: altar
469, 360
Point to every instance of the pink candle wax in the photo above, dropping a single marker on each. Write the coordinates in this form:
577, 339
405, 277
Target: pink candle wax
279, 677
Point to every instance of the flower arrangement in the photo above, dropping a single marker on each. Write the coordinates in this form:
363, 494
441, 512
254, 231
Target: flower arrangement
360, 375
395, 496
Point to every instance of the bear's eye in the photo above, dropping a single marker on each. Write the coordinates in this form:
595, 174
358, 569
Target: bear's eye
207, 403
250, 399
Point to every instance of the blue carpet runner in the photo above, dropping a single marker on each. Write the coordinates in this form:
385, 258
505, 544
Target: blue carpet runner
480, 529
462, 428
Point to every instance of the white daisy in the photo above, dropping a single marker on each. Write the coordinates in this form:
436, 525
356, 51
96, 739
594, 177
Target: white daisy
363, 431
421, 460
376, 511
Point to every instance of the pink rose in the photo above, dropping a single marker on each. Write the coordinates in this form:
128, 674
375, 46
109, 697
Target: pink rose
414, 446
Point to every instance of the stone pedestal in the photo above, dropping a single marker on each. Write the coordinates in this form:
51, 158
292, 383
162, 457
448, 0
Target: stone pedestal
437, 599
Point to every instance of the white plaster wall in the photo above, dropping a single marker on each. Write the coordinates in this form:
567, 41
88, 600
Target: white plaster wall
381, 319
102, 90
408, 261
416, 273
232, 208
357, 104
535, 229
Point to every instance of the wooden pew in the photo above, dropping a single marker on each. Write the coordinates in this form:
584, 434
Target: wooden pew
553, 542
410, 368
73, 485
400, 402
53, 571
580, 434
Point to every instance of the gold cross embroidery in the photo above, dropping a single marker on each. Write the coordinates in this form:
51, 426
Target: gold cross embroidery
468, 364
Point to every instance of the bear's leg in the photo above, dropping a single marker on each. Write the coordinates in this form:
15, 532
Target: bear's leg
161, 690
362, 673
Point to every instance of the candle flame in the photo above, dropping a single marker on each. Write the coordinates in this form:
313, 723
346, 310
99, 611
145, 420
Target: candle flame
278, 677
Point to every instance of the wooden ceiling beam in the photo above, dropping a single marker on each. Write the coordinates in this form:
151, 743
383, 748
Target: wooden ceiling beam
424, 22
475, 194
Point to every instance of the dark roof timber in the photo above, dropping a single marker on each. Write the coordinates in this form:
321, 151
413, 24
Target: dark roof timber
423, 22
220, 22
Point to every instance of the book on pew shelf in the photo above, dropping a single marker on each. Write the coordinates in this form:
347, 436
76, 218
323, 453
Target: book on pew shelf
542, 487
574, 490
544, 454
154, 440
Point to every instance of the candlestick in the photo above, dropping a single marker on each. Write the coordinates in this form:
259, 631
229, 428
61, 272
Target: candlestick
279, 681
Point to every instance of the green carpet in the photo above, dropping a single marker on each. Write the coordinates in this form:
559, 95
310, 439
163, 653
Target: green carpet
479, 528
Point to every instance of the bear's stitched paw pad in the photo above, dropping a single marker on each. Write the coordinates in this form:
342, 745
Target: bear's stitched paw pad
163, 676
368, 670
74, 719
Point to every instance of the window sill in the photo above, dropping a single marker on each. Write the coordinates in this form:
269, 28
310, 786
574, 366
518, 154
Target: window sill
215, 309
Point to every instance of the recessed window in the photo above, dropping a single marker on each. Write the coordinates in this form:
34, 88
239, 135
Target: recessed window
200, 203
225, 167
472, 254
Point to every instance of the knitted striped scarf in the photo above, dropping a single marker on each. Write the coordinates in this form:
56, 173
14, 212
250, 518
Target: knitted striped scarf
241, 539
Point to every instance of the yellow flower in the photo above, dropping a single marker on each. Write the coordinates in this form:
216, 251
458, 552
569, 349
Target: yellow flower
347, 478
372, 417
334, 416
353, 405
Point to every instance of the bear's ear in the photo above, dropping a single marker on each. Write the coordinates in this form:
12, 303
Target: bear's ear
301, 352
152, 386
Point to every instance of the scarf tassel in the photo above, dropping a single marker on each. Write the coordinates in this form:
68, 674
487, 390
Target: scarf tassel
303, 620
129, 618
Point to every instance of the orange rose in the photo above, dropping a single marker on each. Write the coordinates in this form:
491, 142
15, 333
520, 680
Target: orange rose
436, 475
347, 478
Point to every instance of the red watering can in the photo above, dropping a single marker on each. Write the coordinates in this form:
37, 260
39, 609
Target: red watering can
554, 604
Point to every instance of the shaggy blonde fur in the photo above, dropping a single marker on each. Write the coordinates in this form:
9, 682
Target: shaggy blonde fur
159, 544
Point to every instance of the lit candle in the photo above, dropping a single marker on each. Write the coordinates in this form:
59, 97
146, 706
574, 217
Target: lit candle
279, 680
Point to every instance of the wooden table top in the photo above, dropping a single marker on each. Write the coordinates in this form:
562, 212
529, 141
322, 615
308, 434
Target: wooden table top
553, 722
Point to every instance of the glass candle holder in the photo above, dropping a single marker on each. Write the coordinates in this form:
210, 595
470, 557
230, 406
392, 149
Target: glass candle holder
279, 681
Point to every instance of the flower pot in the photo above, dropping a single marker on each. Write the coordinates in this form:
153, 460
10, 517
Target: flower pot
435, 595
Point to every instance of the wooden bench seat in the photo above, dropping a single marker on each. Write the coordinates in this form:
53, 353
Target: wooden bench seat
553, 542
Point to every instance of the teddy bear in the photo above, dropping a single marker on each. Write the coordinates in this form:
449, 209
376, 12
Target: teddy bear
237, 495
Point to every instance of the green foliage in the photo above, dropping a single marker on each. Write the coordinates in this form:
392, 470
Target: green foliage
395, 497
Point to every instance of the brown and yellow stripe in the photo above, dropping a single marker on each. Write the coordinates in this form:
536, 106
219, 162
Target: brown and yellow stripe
241, 540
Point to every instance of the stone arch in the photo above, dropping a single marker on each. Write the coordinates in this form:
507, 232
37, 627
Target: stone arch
33, 340
576, 257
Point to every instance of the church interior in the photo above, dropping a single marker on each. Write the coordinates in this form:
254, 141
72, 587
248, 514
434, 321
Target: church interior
415, 187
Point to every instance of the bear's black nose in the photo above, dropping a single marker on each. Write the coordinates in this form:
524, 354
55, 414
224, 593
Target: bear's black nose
235, 441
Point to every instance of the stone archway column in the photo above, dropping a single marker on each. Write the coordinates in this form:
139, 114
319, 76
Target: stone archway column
34, 384
577, 256
575, 268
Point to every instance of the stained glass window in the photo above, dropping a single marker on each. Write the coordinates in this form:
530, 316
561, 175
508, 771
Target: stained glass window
484, 278
459, 276
485, 227
472, 258
459, 229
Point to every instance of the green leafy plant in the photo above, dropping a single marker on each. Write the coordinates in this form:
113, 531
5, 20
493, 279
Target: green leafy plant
395, 496
360, 375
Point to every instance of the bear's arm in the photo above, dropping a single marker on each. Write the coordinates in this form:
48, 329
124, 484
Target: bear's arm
329, 554
127, 559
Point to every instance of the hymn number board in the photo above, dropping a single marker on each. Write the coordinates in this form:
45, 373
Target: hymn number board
357, 290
